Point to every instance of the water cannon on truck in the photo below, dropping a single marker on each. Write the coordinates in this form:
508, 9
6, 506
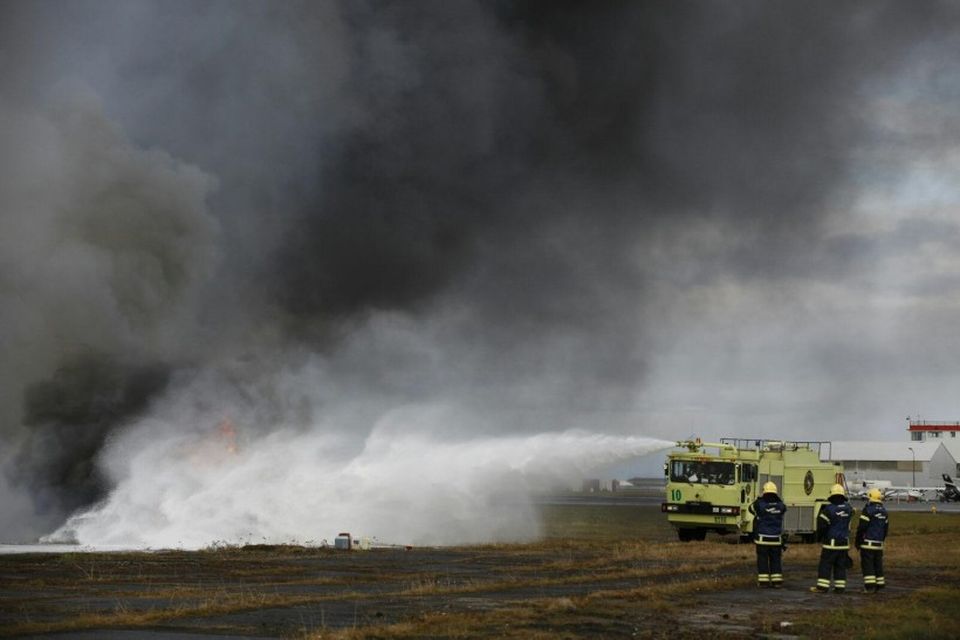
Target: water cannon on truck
711, 485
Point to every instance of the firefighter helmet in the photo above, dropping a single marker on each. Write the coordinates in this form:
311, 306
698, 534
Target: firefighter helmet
875, 495
769, 487
838, 490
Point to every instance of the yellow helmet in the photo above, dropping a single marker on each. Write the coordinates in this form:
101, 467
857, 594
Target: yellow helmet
838, 490
769, 487
875, 495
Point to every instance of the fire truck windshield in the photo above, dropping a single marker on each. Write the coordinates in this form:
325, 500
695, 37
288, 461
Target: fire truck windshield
702, 472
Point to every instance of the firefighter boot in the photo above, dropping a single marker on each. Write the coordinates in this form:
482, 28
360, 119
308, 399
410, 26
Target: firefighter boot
823, 585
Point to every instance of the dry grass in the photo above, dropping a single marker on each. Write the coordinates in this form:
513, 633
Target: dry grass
540, 618
925, 544
183, 604
928, 613
560, 587
637, 564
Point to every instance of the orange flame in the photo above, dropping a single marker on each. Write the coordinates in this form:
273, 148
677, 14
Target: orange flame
228, 433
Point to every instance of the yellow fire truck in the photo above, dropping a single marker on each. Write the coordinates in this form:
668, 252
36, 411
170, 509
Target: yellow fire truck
710, 485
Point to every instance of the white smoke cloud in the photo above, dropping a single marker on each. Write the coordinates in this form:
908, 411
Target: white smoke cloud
404, 485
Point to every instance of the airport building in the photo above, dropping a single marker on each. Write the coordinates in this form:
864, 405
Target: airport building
923, 430
911, 463
937, 430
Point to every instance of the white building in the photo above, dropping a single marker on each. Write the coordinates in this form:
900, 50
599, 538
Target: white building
937, 430
918, 464
953, 446
923, 430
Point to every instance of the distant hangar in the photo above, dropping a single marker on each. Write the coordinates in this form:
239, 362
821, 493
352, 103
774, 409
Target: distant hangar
933, 449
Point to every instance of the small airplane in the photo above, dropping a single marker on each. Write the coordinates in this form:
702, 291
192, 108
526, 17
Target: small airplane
867, 485
949, 492
946, 493
910, 494
889, 491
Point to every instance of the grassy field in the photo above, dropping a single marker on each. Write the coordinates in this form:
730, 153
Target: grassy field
605, 523
601, 571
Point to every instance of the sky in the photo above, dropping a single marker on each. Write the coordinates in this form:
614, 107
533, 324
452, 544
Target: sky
492, 219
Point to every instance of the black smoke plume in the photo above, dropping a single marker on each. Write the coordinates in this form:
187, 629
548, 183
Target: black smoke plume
184, 184
69, 418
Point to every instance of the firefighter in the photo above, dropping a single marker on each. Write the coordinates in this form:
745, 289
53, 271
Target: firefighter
833, 530
768, 512
871, 532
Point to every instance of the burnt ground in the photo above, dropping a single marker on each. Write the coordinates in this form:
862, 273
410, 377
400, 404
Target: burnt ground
590, 588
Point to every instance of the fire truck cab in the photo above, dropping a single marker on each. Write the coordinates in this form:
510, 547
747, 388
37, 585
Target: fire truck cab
711, 485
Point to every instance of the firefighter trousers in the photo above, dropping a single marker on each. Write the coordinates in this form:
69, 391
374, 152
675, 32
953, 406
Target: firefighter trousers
871, 562
833, 563
769, 564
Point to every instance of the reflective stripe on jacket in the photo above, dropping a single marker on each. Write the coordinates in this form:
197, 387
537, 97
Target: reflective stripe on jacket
770, 540
836, 525
837, 544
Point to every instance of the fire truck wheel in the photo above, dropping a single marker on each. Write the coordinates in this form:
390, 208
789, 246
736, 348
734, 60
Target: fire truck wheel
686, 535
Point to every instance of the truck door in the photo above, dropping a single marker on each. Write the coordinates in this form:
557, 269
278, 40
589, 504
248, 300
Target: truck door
748, 485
